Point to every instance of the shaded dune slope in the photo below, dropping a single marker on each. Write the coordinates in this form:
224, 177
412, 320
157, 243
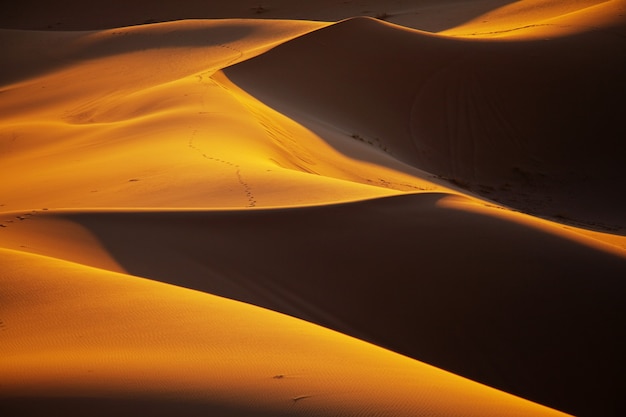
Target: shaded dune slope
533, 123
30, 53
491, 297
176, 135
426, 14
175, 174
100, 343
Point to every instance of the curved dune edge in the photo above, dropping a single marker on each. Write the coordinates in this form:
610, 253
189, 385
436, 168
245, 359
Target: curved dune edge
95, 342
178, 134
258, 160
424, 15
536, 19
511, 121
421, 274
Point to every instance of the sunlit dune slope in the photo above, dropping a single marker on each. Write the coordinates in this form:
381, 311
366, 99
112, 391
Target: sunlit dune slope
540, 18
500, 298
536, 124
177, 135
190, 46
90, 342
344, 173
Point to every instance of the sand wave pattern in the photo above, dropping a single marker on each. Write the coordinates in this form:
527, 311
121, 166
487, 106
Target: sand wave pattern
313, 209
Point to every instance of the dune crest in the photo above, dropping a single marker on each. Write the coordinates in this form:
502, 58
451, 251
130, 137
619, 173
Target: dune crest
386, 274
138, 344
535, 125
536, 19
311, 213
160, 110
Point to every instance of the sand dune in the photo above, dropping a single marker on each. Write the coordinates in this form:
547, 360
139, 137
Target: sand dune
292, 211
100, 342
536, 18
160, 109
428, 15
420, 274
542, 118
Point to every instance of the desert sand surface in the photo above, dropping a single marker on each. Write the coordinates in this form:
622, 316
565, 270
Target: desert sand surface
329, 208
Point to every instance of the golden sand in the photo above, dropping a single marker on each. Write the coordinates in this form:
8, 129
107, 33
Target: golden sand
292, 210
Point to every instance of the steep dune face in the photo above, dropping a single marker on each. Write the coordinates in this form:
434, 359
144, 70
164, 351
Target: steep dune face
315, 169
542, 115
85, 341
177, 134
500, 299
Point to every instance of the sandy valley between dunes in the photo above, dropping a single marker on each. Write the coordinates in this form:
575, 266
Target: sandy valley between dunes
331, 208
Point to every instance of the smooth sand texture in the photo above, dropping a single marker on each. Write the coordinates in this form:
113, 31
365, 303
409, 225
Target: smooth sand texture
535, 124
287, 213
431, 15
100, 342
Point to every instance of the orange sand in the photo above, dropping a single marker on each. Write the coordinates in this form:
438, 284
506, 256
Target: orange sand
289, 211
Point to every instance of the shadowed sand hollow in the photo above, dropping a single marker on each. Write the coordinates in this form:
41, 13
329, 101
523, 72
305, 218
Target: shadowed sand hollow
283, 209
